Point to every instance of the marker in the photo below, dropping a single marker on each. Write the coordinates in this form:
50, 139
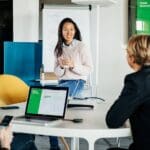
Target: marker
75, 120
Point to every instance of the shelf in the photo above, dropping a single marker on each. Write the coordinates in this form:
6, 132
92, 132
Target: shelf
102, 3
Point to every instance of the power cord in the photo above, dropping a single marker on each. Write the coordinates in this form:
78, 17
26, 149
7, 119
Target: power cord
84, 98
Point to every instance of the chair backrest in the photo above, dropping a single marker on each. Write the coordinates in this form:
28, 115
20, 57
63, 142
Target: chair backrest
12, 90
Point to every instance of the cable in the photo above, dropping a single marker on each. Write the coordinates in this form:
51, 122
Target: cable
84, 98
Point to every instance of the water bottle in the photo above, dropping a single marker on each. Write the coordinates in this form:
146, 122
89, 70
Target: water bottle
42, 72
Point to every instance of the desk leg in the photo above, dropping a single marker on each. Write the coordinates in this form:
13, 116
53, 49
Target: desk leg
91, 144
74, 143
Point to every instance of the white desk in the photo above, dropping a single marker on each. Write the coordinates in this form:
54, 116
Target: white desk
92, 128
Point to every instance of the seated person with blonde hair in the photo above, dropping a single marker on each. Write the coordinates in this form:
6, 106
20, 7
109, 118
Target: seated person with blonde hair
134, 100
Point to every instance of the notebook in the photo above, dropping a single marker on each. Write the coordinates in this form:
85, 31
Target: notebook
45, 104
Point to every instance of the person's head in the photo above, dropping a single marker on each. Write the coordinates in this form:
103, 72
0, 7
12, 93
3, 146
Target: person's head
138, 51
67, 31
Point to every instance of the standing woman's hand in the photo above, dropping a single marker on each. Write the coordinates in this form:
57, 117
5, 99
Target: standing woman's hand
71, 64
60, 61
6, 137
65, 62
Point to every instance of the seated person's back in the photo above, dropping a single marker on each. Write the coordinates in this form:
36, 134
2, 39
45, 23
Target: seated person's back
134, 100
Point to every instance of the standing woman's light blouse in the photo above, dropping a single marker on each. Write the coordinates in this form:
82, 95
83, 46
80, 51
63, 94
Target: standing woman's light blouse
81, 56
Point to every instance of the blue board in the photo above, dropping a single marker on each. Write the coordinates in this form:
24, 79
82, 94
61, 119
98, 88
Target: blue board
23, 59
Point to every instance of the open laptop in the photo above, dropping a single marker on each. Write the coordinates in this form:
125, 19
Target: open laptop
45, 104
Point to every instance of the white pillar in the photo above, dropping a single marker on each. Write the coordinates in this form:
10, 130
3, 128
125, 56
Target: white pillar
26, 20
124, 21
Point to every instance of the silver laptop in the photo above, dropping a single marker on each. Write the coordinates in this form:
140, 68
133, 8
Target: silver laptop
45, 104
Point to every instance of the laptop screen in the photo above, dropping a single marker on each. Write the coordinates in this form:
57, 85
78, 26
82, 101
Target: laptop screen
47, 102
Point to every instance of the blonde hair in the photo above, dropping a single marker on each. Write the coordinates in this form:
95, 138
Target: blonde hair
139, 48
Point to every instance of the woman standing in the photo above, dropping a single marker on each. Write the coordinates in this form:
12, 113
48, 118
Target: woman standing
73, 62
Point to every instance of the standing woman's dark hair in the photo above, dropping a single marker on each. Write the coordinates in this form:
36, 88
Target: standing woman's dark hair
61, 40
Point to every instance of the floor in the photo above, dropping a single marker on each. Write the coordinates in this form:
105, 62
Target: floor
42, 143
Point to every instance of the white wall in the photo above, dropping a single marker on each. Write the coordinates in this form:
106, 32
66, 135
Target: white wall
94, 42
26, 20
112, 57
109, 33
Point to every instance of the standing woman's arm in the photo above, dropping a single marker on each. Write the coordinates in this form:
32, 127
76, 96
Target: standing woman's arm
85, 65
59, 71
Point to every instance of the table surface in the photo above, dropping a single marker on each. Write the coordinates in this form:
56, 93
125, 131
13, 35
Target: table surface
93, 126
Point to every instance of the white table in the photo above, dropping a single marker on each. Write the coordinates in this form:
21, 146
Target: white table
92, 128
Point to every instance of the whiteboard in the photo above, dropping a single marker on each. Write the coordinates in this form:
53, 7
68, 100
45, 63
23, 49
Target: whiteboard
52, 17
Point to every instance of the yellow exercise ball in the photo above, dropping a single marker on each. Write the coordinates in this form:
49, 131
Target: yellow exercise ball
12, 90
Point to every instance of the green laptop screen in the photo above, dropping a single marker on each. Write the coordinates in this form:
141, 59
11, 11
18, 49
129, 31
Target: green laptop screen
46, 102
